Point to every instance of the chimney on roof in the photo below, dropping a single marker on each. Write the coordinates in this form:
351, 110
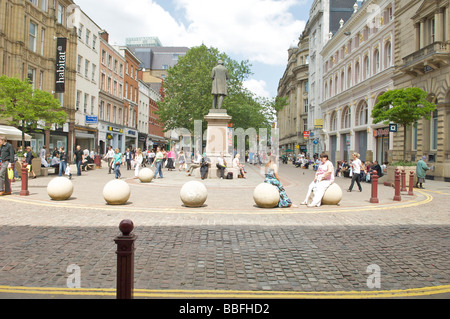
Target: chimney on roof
104, 35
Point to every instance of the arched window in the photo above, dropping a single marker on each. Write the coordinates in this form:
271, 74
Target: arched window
387, 55
333, 121
366, 67
346, 118
349, 77
362, 114
376, 61
357, 71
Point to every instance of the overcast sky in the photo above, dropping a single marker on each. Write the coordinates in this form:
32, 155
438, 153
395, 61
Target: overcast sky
260, 31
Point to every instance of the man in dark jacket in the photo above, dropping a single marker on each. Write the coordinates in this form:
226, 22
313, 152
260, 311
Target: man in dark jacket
7, 160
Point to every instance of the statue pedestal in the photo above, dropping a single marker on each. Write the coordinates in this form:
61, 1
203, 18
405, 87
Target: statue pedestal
217, 139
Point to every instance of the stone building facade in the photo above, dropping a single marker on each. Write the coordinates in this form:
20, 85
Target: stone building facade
28, 46
358, 68
422, 59
293, 119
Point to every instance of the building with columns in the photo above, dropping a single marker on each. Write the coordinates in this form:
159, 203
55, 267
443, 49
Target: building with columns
28, 47
323, 22
358, 67
292, 120
422, 59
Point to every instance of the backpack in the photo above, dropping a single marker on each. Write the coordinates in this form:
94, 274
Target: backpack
230, 175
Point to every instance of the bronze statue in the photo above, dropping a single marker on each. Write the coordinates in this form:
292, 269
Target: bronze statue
219, 86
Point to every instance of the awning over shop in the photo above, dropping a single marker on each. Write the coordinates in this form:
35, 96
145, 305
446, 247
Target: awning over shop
13, 134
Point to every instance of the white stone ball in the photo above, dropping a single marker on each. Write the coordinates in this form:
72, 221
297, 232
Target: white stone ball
266, 195
60, 188
333, 195
193, 194
145, 175
116, 192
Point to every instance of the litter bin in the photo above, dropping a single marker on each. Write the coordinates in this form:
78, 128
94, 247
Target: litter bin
98, 161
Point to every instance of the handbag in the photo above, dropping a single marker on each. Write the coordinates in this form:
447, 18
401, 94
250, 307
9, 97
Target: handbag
10, 173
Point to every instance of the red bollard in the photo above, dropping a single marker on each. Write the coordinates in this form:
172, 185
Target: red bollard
374, 198
403, 188
125, 260
24, 191
411, 183
397, 196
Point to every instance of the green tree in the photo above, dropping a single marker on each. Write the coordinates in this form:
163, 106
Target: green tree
20, 105
188, 97
403, 107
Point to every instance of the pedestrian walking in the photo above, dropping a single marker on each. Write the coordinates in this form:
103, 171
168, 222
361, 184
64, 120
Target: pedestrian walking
117, 162
421, 170
7, 161
138, 160
78, 157
109, 158
356, 167
62, 161
182, 161
159, 160
29, 159
323, 178
128, 158
170, 160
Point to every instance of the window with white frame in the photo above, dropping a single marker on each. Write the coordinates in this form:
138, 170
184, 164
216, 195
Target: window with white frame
346, 118
80, 30
363, 113
42, 41
376, 60
388, 54
32, 37
60, 16
434, 130
88, 36
86, 99
32, 76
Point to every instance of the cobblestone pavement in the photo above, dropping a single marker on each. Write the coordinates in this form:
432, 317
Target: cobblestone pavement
229, 247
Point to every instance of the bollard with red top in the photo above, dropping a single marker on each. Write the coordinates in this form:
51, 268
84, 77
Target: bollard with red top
374, 196
411, 183
397, 196
125, 260
24, 191
403, 188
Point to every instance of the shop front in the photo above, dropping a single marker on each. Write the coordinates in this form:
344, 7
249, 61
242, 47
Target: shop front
87, 139
382, 142
131, 138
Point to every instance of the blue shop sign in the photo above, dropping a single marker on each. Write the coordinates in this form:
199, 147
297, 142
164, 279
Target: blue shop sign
90, 119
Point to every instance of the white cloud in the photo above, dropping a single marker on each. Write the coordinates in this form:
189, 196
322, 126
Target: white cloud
257, 30
258, 87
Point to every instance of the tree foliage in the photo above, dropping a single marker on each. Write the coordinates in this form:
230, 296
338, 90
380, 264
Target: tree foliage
188, 97
20, 105
403, 107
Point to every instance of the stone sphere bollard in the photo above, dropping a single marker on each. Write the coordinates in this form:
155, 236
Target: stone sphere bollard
193, 194
266, 195
333, 195
116, 192
60, 188
145, 175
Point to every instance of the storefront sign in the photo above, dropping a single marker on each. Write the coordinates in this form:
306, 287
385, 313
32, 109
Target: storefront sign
306, 134
115, 129
130, 132
90, 119
318, 123
381, 132
392, 128
60, 79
